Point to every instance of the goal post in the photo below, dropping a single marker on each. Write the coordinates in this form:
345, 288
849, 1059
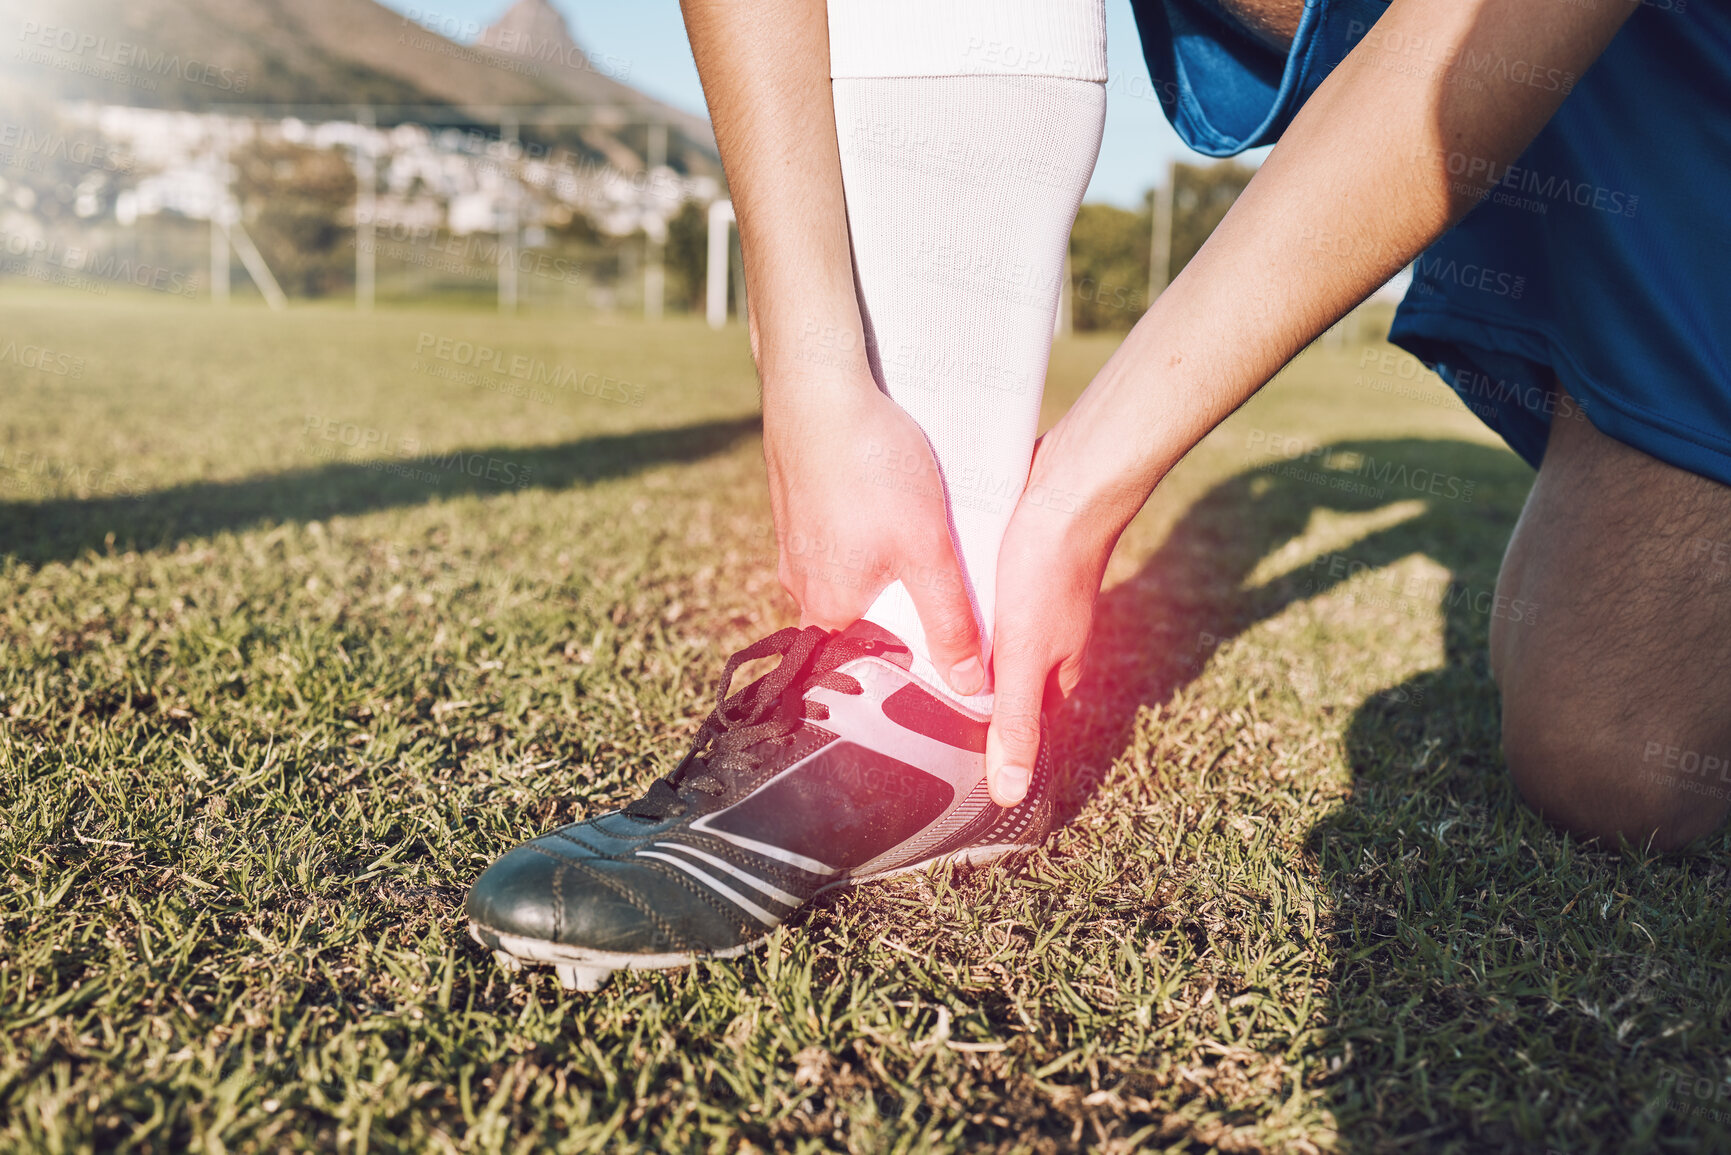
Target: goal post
715, 302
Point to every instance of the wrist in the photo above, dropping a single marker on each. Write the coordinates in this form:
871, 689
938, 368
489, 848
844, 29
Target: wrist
1086, 477
813, 417
821, 351
812, 400
805, 324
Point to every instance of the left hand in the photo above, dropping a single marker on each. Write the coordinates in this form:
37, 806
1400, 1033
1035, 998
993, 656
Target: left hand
1049, 569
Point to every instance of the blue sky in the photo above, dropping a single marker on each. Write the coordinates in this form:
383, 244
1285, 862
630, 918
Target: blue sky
650, 35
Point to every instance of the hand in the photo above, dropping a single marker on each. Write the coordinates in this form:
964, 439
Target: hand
829, 434
1049, 570
858, 504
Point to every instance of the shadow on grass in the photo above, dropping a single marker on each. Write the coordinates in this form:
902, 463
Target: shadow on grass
1466, 1009
61, 529
1154, 633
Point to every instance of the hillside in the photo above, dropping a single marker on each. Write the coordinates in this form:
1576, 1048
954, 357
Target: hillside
203, 55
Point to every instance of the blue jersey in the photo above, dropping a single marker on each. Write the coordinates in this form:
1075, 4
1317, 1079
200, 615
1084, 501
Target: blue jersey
1601, 259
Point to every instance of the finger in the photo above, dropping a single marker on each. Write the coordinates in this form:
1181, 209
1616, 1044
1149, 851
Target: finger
830, 600
1070, 673
1013, 741
940, 597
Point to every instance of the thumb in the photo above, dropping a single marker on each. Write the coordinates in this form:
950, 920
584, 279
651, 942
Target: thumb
1013, 741
947, 614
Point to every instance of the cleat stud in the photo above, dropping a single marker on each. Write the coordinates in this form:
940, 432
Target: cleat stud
509, 962
582, 978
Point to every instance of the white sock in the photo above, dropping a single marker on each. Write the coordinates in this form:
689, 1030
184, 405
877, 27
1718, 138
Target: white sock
961, 191
872, 39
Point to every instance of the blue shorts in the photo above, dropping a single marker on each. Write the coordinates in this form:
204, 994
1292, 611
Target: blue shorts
1602, 257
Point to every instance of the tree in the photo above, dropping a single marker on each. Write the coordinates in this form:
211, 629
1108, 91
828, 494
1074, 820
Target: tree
1108, 267
1201, 196
686, 257
294, 201
1109, 246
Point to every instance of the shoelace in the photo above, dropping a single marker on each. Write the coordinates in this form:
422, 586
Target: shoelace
769, 710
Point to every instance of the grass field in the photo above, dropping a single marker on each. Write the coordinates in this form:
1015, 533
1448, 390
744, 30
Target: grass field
299, 628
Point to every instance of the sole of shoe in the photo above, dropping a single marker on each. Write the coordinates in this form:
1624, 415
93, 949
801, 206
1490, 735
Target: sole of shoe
581, 969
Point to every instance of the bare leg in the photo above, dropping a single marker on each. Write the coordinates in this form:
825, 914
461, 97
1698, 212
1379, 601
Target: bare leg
1274, 22
1617, 693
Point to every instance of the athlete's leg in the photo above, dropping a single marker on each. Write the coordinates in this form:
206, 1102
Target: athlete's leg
1617, 693
961, 191
1274, 22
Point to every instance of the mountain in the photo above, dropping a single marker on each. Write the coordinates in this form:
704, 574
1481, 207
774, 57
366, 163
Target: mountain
203, 55
528, 28
533, 33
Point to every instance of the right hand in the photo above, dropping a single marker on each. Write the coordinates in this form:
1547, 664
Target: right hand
859, 503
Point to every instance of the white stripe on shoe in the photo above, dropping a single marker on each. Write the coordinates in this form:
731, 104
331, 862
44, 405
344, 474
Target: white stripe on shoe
756, 883
792, 858
715, 884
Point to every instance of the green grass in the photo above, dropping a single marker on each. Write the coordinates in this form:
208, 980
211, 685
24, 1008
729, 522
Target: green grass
265, 712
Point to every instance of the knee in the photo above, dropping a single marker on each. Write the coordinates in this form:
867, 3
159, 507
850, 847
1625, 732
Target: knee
1593, 776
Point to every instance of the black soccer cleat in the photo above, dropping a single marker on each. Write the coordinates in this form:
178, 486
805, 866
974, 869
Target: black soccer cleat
836, 767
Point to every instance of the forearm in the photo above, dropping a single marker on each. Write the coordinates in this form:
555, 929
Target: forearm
1359, 185
765, 71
